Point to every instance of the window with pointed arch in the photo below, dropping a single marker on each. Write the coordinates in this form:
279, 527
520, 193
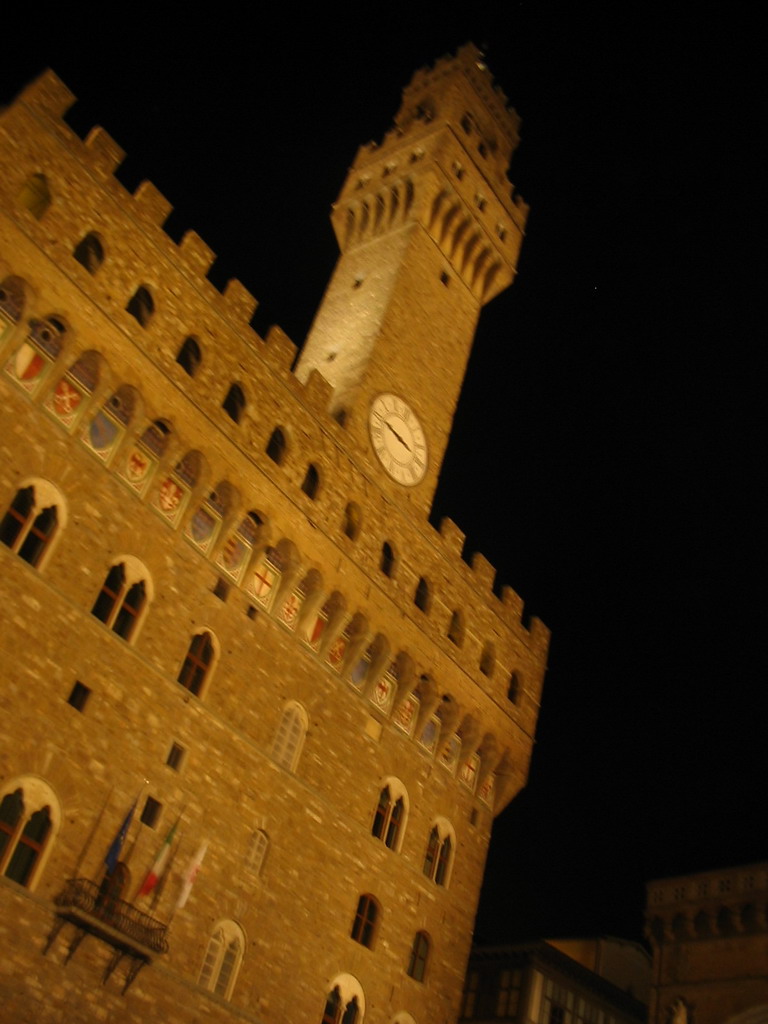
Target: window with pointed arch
353, 521
311, 482
222, 960
390, 815
258, 848
35, 195
387, 560
422, 597
34, 517
277, 446
345, 1002
89, 252
141, 305
438, 859
198, 663
289, 738
123, 598
29, 819
189, 357
417, 961
365, 922
456, 628
234, 403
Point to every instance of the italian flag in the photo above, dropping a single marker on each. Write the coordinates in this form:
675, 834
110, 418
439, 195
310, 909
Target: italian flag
157, 869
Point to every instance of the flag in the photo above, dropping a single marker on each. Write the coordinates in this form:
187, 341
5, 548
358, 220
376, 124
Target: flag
113, 853
191, 875
161, 860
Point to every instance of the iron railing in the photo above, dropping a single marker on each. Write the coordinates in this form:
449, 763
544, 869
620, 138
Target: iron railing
81, 896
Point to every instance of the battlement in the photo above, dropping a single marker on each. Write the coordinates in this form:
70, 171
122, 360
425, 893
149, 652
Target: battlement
279, 452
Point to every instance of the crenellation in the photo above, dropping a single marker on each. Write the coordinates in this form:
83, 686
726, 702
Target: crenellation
105, 155
151, 205
238, 303
196, 255
452, 537
279, 351
483, 570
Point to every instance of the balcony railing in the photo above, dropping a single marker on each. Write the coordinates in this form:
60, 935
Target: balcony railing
88, 906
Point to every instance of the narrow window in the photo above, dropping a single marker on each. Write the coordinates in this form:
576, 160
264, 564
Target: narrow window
352, 521
311, 482
26, 826
89, 252
234, 403
35, 195
417, 962
197, 663
456, 629
176, 756
140, 305
421, 596
151, 813
488, 660
257, 851
387, 563
289, 737
222, 959
189, 357
78, 698
513, 691
276, 446
120, 602
437, 859
389, 819
364, 925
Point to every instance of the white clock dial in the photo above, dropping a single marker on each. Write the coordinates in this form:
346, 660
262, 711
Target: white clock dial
398, 439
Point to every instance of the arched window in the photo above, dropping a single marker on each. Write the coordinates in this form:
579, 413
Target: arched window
276, 446
29, 816
456, 628
123, 598
513, 691
141, 306
311, 482
389, 818
387, 562
89, 252
289, 738
417, 961
421, 597
345, 1003
234, 403
438, 857
258, 848
352, 521
222, 959
197, 663
35, 195
366, 916
31, 522
189, 357
488, 659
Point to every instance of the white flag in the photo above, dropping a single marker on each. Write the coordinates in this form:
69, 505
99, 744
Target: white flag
191, 875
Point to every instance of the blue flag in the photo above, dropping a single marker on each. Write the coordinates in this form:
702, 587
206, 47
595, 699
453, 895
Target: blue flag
113, 853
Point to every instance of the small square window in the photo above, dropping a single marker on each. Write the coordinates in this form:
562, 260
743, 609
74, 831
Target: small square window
175, 757
78, 698
221, 590
252, 612
151, 813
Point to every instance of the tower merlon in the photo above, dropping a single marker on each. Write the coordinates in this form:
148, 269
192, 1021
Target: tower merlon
196, 255
239, 304
106, 155
280, 350
47, 96
151, 204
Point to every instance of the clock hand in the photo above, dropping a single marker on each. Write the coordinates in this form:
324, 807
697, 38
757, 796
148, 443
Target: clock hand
392, 430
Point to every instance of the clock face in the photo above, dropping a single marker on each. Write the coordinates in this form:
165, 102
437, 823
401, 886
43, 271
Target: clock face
398, 439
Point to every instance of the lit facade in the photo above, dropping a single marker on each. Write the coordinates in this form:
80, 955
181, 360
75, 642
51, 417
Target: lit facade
219, 577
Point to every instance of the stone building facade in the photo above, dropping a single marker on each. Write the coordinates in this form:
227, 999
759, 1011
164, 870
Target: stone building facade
225, 608
709, 936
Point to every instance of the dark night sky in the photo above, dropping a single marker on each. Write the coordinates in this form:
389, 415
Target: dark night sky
615, 388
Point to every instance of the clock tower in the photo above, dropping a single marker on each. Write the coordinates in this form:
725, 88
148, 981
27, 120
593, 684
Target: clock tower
430, 230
